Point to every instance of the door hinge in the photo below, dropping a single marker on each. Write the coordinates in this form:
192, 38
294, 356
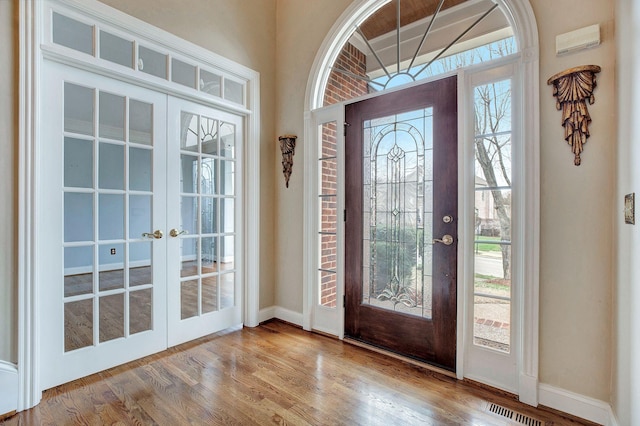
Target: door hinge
344, 216
345, 128
344, 300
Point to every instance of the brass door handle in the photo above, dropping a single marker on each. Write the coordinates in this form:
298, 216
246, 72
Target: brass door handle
157, 234
447, 240
174, 232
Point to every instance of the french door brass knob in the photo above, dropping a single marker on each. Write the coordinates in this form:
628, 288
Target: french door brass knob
157, 234
174, 232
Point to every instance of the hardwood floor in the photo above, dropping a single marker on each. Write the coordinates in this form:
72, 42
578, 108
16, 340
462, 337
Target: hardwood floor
272, 374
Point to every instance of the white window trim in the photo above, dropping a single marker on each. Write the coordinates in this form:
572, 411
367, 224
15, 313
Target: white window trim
522, 19
31, 53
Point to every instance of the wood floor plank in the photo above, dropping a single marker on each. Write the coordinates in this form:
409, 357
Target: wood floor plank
273, 374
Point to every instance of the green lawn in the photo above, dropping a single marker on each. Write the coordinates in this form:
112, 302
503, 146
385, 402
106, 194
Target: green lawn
487, 246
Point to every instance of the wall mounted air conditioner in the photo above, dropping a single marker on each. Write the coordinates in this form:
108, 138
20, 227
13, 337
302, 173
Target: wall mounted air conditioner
577, 40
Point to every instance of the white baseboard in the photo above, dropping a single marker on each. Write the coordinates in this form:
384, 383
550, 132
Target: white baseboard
266, 314
613, 420
280, 313
575, 404
8, 387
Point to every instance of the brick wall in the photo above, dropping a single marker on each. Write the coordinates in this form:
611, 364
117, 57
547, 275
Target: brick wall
340, 87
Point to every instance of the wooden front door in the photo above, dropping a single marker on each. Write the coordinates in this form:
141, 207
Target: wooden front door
401, 221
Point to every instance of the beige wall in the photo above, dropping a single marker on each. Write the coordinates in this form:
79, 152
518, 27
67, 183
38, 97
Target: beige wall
302, 26
8, 184
625, 398
576, 210
245, 32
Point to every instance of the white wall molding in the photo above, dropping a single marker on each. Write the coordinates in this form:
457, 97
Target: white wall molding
577, 405
278, 312
9, 388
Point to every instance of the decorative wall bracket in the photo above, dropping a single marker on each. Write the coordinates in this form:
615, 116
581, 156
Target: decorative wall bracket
288, 148
572, 88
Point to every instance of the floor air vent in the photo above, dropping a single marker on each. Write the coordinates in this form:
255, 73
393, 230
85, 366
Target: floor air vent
512, 415
501, 411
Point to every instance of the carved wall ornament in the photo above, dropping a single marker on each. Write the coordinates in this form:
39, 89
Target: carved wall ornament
572, 88
288, 148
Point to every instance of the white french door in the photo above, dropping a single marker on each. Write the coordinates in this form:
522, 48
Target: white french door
204, 179
138, 215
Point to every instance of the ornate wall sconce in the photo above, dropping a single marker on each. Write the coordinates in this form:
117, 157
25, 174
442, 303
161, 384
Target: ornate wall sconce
572, 88
288, 148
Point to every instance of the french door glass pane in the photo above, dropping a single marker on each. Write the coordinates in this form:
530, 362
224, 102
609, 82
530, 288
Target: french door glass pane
140, 308
397, 244
140, 169
78, 322
111, 317
111, 263
73, 34
152, 62
79, 262
112, 116
78, 163
492, 248
78, 109
116, 49
111, 166
78, 217
140, 122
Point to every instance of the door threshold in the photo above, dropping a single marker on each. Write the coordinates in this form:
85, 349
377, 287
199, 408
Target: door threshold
399, 357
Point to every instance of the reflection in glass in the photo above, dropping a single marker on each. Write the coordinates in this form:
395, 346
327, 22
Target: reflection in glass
112, 116
110, 217
78, 217
209, 294
227, 177
208, 255
140, 310
140, 263
139, 215
189, 173
189, 215
78, 324
233, 91
227, 215
209, 215
189, 132
72, 34
210, 83
78, 270
140, 122
188, 299
78, 163
111, 310
227, 290
140, 169
111, 166
183, 73
209, 135
228, 140
208, 176
152, 62
116, 49
188, 256
78, 109
111, 266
